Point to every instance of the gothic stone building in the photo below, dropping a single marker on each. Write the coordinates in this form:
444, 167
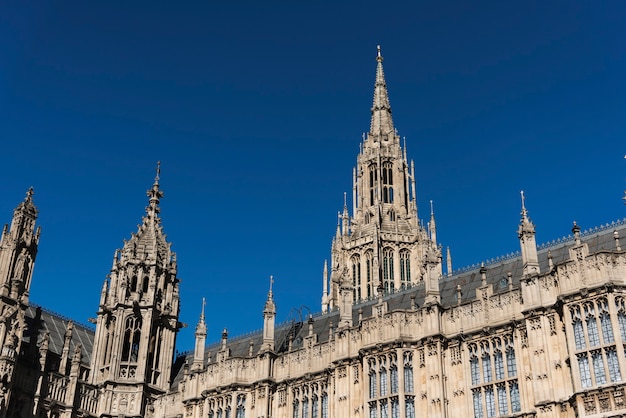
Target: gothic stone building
540, 334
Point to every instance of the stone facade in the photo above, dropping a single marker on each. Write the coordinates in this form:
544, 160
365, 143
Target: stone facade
539, 334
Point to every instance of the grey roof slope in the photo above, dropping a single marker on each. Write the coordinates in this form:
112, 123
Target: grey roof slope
39, 320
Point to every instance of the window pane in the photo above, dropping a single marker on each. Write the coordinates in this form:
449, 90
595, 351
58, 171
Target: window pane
490, 402
579, 336
598, 367
585, 373
607, 329
503, 407
499, 365
592, 331
478, 405
611, 358
515, 400
474, 370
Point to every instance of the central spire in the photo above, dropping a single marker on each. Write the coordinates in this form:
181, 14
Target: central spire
381, 125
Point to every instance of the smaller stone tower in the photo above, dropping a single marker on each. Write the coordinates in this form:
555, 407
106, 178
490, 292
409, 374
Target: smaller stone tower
138, 319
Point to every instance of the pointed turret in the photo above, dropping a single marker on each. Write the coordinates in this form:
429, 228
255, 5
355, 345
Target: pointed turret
18, 249
526, 235
325, 287
432, 227
381, 126
269, 317
137, 323
198, 352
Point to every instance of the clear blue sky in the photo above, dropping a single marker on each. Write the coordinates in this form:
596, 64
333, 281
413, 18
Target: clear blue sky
256, 111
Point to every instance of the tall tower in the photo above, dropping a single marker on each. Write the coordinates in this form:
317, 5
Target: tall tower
382, 244
138, 319
18, 249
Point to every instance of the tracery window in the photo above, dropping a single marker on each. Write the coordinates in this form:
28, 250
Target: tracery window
395, 408
408, 372
387, 174
373, 175
494, 384
384, 385
393, 378
383, 377
324, 405
405, 267
368, 264
409, 407
315, 407
388, 283
132, 337
596, 356
356, 278
241, 406
296, 408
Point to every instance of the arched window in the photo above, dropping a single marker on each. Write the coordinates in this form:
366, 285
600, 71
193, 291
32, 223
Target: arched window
356, 277
368, 264
392, 215
144, 284
241, 406
373, 174
296, 409
405, 267
108, 346
133, 284
388, 283
408, 372
387, 177
132, 337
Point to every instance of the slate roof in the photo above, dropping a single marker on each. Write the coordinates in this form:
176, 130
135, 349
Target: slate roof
39, 320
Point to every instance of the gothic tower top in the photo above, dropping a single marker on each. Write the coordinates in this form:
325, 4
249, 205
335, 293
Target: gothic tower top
381, 126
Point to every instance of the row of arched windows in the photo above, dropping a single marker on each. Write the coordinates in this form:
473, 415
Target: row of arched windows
594, 340
386, 174
388, 272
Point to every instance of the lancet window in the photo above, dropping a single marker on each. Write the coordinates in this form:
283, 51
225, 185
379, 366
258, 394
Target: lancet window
594, 341
356, 278
241, 406
387, 181
373, 182
388, 283
405, 268
369, 272
310, 401
495, 390
385, 392
132, 337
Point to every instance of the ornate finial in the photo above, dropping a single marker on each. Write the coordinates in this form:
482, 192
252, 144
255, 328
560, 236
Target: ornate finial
30, 193
345, 200
432, 210
271, 283
155, 194
158, 173
379, 57
203, 305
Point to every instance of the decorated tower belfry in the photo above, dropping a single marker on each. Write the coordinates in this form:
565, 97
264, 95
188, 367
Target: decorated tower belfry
138, 318
382, 244
18, 249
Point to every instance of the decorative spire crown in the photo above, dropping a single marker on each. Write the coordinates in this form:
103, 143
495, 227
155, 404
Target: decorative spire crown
381, 125
155, 194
